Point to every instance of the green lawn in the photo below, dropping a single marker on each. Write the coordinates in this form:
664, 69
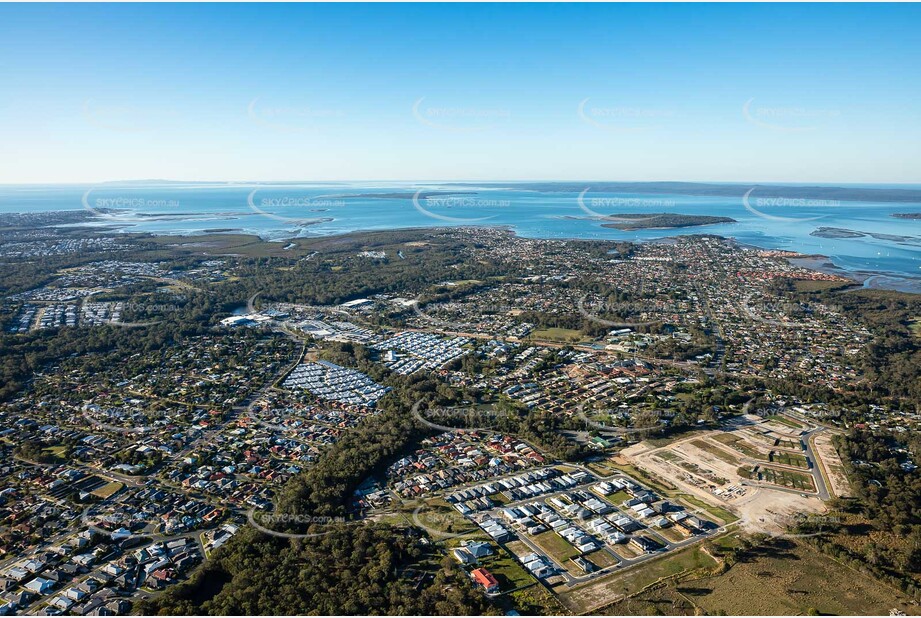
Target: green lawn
715, 511
507, 571
584, 598
716, 451
601, 558
108, 490
740, 445
668, 455
558, 334
786, 478
618, 498
556, 546
788, 459
784, 420
655, 483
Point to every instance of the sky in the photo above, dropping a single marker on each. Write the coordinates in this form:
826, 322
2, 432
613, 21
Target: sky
705, 92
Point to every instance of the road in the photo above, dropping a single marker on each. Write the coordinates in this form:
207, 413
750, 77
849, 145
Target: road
622, 562
821, 487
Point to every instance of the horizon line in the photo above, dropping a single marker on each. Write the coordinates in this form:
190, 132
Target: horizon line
456, 181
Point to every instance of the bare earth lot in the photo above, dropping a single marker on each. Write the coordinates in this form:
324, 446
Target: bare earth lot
761, 509
834, 469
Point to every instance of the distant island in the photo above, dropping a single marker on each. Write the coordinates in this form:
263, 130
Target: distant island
662, 220
837, 232
402, 195
907, 215
705, 189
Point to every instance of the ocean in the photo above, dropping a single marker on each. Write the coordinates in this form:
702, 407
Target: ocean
865, 239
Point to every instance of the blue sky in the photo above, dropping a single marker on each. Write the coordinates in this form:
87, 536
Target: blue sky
772, 93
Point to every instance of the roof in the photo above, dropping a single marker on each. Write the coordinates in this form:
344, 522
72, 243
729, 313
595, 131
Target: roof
484, 578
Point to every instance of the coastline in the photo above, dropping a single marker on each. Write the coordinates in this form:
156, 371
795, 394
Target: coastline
870, 279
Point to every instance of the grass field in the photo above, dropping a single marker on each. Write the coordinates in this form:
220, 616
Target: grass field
625, 550
557, 334
784, 420
618, 497
532, 601
507, 571
600, 468
56, 451
785, 478
783, 577
791, 578
108, 490
740, 445
592, 596
668, 455
671, 534
788, 459
719, 513
556, 546
440, 519
601, 558
655, 483
717, 452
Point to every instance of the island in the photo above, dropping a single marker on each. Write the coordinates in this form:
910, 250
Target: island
403, 195
661, 220
837, 232
906, 215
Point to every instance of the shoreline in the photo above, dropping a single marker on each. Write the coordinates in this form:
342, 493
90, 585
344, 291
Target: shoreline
869, 279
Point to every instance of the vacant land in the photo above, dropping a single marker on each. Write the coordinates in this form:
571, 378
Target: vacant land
782, 577
555, 546
784, 478
507, 571
722, 515
739, 444
784, 420
788, 459
557, 334
747, 495
589, 597
835, 476
108, 490
716, 452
